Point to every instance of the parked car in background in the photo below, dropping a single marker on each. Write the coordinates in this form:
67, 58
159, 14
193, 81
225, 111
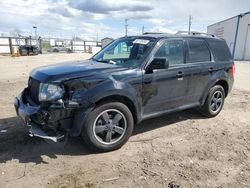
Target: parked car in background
132, 79
28, 50
60, 49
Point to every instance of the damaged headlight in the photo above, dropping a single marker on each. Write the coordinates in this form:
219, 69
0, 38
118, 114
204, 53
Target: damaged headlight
49, 92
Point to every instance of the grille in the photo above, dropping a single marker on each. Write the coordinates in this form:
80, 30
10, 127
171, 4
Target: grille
34, 89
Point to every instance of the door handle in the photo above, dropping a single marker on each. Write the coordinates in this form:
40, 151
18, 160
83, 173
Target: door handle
179, 74
211, 69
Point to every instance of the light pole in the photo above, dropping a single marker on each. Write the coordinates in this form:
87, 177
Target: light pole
38, 42
35, 29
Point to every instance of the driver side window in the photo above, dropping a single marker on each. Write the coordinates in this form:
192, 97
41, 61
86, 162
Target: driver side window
172, 51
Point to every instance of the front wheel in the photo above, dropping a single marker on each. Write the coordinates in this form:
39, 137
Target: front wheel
214, 102
108, 126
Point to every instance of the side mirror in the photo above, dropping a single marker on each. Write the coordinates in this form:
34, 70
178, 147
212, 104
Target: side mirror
159, 63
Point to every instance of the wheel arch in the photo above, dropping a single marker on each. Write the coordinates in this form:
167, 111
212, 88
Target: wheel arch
123, 99
80, 115
222, 82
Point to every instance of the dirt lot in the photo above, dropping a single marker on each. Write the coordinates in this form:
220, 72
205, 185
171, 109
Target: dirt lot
182, 147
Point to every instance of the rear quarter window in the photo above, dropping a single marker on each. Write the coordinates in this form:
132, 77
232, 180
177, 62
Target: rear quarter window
198, 51
219, 49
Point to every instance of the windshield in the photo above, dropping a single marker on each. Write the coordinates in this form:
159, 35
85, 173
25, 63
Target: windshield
129, 51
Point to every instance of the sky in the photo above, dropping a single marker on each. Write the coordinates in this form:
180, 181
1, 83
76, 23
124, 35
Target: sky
96, 19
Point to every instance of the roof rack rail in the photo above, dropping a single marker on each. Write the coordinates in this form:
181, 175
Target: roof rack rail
148, 33
194, 33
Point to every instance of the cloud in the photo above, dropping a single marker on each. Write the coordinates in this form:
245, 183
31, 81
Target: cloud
135, 15
61, 11
87, 18
106, 7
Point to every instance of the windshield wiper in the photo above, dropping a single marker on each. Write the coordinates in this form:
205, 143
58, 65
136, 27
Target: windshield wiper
104, 61
101, 61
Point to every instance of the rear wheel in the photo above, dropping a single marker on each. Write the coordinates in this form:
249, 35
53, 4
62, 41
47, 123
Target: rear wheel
108, 126
214, 102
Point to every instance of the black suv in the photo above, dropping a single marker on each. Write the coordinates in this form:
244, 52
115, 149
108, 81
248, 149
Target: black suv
132, 79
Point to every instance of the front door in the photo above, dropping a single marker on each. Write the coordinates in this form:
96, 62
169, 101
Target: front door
165, 89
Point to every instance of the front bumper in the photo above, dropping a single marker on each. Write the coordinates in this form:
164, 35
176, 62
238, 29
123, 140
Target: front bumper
28, 112
24, 110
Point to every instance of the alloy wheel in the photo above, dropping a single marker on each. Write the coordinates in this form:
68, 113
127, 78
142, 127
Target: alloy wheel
110, 126
216, 101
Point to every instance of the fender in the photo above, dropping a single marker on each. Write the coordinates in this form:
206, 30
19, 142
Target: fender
107, 88
78, 121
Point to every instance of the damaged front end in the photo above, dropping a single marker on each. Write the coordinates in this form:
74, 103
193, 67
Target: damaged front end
42, 108
59, 97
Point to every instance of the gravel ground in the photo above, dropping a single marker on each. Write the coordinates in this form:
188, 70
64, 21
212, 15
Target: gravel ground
183, 147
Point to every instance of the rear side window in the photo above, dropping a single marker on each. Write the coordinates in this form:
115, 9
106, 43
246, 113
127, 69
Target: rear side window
198, 51
219, 49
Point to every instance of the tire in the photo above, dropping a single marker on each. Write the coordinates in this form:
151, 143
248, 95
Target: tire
35, 51
55, 50
214, 102
23, 52
103, 136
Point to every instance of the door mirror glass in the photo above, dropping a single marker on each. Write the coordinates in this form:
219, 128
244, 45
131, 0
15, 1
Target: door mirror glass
159, 63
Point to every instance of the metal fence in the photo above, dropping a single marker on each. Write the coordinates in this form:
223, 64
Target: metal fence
7, 44
69, 45
49, 45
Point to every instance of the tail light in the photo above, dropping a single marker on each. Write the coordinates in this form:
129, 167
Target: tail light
233, 70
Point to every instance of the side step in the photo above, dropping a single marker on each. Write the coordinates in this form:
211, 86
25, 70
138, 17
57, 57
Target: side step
35, 130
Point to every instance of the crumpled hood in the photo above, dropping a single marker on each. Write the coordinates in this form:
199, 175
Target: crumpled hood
75, 69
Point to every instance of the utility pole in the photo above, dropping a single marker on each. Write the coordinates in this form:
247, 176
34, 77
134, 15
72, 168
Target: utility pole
189, 24
142, 29
126, 27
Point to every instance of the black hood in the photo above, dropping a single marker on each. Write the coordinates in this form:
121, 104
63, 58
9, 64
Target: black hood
71, 70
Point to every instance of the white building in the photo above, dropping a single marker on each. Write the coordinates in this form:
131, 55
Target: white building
236, 32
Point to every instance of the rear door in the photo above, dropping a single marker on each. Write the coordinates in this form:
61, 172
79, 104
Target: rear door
200, 67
